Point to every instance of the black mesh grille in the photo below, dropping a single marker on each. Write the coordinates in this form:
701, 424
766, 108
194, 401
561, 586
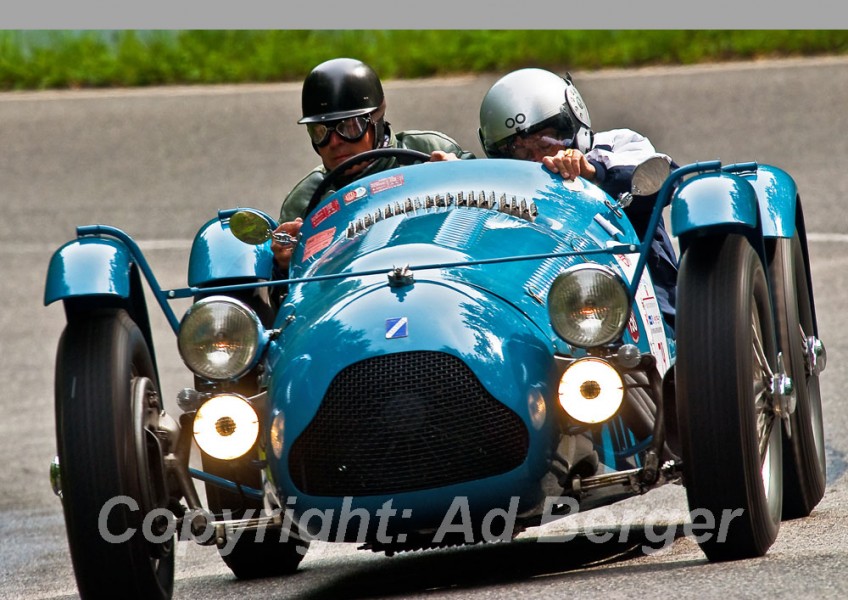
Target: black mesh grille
403, 422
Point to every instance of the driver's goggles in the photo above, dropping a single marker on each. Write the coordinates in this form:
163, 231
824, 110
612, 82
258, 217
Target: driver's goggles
531, 146
351, 129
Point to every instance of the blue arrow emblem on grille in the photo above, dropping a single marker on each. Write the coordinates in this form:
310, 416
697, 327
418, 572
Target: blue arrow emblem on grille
397, 328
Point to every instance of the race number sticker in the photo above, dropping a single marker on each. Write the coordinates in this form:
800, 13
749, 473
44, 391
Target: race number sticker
354, 195
318, 242
324, 212
386, 183
649, 309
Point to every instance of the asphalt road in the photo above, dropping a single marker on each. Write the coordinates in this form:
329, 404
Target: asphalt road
158, 163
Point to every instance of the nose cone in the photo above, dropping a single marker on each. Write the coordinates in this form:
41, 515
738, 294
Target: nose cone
420, 396
435, 376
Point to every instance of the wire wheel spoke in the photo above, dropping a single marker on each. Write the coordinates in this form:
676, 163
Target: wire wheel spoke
759, 352
765, 424
763, 389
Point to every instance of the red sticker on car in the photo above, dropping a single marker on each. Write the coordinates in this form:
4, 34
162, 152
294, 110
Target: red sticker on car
386, 183
633, 327
354, 195
324, 212
318, 242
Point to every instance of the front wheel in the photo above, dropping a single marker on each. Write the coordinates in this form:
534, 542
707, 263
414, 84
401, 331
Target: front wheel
271, 553
730, 434
804, 468
107, 408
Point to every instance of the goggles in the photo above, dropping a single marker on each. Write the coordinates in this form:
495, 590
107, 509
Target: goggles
528, 146
351, 129
540, 139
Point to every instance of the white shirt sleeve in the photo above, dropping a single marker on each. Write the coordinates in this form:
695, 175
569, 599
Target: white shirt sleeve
621, 148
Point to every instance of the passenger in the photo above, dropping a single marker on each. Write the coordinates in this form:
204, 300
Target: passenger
534, 114
344, 111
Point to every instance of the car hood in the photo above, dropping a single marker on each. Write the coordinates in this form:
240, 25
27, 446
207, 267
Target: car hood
425, 217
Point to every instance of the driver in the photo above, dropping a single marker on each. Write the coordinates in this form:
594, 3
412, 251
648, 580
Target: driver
344, 112
534, 114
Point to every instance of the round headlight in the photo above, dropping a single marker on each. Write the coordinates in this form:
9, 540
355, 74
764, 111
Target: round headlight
225, 427
220, 338
277, 434
591, 390
588, 305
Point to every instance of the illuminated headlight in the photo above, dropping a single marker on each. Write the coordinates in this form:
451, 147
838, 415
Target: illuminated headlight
220, 338
591, 390
588, 305
226, 426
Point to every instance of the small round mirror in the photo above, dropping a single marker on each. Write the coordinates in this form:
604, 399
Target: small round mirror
250, 227
649, 176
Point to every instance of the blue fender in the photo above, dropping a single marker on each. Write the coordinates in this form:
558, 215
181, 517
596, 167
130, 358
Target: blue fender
89, 267
711, 201
216, 254
92, 269
777, 194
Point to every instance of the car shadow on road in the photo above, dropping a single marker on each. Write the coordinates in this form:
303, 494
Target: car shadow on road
491, 564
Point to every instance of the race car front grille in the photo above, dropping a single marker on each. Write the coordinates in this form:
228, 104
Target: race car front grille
404, 422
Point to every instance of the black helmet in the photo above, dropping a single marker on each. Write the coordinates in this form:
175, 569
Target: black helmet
340, 88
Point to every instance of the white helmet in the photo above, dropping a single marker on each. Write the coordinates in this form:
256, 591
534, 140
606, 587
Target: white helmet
528, 100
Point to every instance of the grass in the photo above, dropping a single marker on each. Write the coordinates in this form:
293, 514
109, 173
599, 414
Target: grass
35, 59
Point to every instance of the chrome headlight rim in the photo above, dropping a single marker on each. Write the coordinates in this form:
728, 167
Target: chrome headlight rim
254, 328
618, 305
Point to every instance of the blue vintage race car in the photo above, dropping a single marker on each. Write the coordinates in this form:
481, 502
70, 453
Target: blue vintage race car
462, 350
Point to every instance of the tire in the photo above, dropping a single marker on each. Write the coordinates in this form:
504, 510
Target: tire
724, 412
106, 398
804, 469
250, 558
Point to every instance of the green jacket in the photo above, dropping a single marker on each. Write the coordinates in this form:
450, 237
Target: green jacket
297, 200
